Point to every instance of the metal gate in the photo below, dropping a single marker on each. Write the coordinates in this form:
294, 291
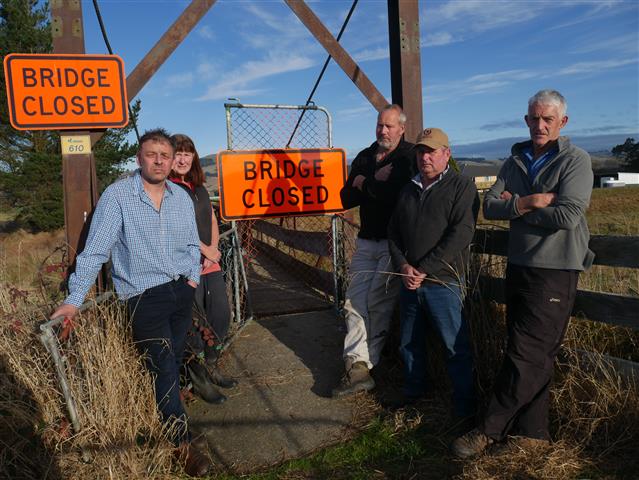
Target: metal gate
292, 263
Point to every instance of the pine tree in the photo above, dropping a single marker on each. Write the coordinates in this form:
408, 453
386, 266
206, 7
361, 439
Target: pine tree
628, 152
31, 161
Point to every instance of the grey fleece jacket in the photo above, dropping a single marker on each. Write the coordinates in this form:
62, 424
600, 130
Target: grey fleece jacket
554, 237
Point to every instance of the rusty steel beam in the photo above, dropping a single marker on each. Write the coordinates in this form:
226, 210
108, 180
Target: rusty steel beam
162, 50
177, 32
78, 171
335, 50
405, 62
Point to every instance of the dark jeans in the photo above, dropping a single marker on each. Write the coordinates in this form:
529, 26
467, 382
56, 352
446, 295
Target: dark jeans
539, 303
160, 319
441, 305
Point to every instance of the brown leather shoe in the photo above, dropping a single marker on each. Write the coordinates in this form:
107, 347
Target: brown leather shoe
356, 379
194, 462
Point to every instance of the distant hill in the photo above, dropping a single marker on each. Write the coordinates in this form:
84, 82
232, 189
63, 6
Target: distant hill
500, 148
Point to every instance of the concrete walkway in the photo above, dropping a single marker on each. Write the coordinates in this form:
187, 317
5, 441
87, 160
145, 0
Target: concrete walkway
287, 366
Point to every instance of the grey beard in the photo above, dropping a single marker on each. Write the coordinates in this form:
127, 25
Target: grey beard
385, 144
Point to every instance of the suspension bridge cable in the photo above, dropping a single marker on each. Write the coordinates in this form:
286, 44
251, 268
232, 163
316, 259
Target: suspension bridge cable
319, 78
108, 45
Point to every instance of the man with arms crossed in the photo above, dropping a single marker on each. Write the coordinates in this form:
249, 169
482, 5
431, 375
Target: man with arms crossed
146, 225
428, 237
544, 190
377, 175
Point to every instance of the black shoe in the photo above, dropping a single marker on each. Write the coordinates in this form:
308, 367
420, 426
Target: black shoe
218, 378
202, 385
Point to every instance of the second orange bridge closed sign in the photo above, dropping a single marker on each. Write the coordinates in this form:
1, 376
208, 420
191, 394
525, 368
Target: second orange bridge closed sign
279, 183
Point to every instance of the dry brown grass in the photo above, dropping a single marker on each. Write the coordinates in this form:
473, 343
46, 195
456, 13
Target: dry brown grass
594, 412
594, 415
22, 254
121, 430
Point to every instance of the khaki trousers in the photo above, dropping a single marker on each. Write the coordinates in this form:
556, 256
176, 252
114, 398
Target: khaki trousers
370, 301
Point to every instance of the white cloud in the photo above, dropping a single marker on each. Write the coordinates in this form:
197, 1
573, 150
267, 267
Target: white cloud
180, 80
287, 27
438, 39
379, 53
628, 43
206, 32
238, 79
458, 20
494, 81
594, 67
206, 69
266, 28
481, 15
355, 112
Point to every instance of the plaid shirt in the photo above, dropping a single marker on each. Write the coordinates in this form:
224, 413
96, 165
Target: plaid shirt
147, 247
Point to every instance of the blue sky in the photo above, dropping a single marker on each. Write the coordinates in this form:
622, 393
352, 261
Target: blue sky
481, 61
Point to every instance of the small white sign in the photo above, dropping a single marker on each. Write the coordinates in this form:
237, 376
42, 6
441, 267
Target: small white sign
76, 145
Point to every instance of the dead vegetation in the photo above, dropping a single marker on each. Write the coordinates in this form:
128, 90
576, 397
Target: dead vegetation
120, 432
594, 414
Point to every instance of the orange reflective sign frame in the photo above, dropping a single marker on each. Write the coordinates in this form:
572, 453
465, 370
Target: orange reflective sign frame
58, 92
280, 183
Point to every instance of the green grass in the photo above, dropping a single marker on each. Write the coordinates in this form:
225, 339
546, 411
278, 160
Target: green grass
380, 451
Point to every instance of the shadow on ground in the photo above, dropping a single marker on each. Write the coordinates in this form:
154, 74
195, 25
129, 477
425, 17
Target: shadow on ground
23, 455
286, 366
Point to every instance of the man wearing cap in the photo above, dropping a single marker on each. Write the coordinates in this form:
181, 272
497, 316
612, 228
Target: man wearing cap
543, 189
429, 235
377, 175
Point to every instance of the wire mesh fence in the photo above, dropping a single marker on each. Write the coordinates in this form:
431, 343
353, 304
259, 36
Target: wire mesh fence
297, 255
251, 127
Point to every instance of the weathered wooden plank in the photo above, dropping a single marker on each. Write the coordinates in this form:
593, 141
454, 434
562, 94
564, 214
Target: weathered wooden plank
611, 251
311, 242
602, 307
608, 308
615, 251
627, 370
493, 242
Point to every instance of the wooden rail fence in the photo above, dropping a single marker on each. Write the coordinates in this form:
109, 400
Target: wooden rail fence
610, 251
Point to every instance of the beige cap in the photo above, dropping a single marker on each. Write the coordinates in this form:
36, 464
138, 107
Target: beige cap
433, 138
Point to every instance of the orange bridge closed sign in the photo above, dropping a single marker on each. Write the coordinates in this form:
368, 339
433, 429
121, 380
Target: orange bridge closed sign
278, 183
50, 92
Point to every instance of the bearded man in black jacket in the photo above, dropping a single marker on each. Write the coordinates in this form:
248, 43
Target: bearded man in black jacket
429, 235
377, 175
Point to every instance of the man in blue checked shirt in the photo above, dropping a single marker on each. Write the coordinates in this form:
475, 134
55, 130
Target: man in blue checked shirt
146, 225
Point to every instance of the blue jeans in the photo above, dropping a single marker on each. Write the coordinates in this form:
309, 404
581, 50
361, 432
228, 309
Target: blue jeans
441, 305
161, 317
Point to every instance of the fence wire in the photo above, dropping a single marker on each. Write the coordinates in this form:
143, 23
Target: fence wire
253, 127
288, 252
